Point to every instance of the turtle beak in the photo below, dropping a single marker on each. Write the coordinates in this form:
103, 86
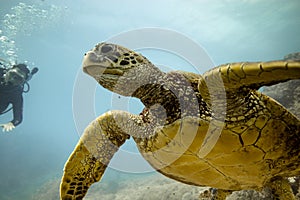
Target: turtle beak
91, 64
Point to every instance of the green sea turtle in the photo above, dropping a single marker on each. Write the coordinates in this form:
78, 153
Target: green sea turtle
212, 130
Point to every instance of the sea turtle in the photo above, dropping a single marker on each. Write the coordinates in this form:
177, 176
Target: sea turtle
213, 130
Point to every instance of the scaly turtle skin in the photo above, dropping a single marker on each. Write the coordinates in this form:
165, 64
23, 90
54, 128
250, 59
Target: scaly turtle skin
213, 130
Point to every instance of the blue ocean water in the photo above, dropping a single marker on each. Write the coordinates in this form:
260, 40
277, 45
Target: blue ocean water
54, 35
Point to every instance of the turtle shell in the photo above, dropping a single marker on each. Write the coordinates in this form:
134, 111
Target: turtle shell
239, 154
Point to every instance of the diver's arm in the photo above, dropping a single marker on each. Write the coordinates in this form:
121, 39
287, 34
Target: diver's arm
11, 125
17, 110
1, 72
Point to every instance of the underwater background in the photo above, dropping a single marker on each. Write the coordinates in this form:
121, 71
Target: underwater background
53, 35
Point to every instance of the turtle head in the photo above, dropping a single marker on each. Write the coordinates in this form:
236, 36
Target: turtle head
117, 68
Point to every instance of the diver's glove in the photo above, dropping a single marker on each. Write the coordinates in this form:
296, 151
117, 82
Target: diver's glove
7, 127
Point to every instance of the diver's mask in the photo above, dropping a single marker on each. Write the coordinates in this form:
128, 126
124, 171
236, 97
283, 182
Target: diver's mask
15, 76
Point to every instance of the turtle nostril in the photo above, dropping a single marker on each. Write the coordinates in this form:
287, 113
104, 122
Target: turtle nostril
106, 48
92, 56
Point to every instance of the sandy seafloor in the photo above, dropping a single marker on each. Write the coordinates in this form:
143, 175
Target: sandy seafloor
151, 187
154, 186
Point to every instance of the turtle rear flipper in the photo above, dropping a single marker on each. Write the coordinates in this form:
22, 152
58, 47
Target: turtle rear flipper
281, 188
86, 165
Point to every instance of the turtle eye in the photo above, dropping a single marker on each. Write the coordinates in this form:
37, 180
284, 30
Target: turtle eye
106, 48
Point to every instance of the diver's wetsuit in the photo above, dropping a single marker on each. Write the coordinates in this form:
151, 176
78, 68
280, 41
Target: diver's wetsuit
10, 94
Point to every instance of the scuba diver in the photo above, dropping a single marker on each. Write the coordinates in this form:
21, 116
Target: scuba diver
12, 81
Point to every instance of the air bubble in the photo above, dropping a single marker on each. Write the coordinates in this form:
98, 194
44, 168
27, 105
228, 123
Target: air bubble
23, 20
10, 52
3, 39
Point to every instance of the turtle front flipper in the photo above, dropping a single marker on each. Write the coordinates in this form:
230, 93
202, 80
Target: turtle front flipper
257, 74
250, 74
100, 141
